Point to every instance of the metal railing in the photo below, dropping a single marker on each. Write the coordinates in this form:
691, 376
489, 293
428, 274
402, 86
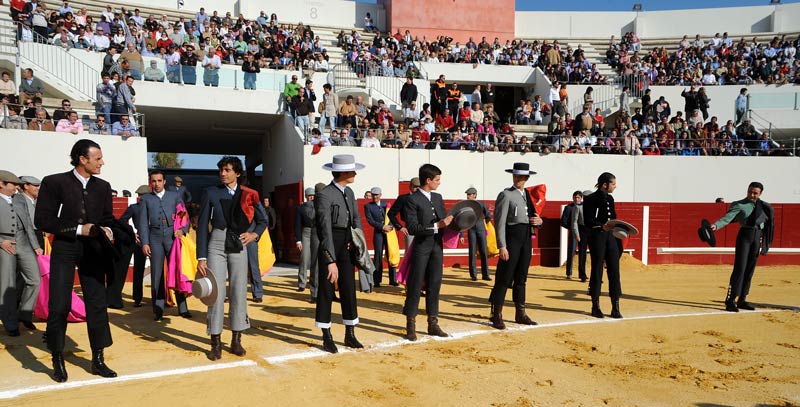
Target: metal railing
58, 62
638, 84
87, 120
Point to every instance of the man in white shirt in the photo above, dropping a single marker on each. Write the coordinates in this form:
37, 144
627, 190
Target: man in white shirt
370, 141
100, 41
211, 65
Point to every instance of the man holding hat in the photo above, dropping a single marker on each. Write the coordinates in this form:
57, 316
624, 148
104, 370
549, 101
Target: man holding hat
134, 212
375, 212
425, 219
398, 207
18, 250
307, 242
515, 216
477, 239
221, 253
336, 212
181, 189
75, 206
598, 210
757, 220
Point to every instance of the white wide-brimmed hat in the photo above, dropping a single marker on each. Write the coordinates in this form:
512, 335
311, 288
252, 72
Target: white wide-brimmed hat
205, 289
343, 163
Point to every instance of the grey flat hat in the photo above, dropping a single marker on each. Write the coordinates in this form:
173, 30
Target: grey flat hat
8, 176
143, 190
376, 191
27, 179
205, 288
343, 163
309, 191
471, 190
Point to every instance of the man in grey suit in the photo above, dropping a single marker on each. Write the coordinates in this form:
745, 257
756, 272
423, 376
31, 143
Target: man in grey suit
18, 246
514, 216
477, 240
307, 242
157, 234
28, 246
181, 189
30, 190
336, 213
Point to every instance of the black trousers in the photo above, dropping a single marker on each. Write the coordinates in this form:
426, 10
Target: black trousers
605, 251
116, 280
426, 265
138, 273
91, 271
582, 245
347, 283
744, 263
514, 271
477, 241
381, 250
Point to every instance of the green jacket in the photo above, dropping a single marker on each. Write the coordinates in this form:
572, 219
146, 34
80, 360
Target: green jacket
291, 90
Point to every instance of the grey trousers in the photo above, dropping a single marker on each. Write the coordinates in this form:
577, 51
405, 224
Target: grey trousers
233, 267
309, 261
19, 281
28, 279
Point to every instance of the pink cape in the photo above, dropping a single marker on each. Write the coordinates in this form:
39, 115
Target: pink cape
41, 309
405, 264
174, 278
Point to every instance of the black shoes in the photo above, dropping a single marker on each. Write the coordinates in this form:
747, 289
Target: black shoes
433, 328
486, 278
615, 309
216, 348
99, 365
350, 338
411, 328
473, 278
258, 300
187, 315
59, 370
596, 311
520, 316
137, 304
327, 341
12, 332
745, 305
394, 283
236, 344
158, 314
497, 316
29, 325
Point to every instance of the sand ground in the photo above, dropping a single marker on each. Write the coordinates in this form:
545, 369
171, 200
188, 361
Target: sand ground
675, 347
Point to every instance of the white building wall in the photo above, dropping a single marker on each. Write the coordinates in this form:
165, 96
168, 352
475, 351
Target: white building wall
44, 153
639, 179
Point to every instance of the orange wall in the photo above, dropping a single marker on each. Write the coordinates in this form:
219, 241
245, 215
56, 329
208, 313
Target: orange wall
459, 19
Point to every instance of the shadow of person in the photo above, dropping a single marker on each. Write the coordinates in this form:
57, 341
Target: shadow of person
146, 329
22, 349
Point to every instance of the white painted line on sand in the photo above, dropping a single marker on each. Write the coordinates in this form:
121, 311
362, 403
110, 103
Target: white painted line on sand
8, 394
315, 353
466, 334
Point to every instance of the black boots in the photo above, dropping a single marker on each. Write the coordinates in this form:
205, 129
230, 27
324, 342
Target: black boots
350, 338
497, 316
411, 328
236, 344
59, 370
596, 311
327, 341
520, 316
433, 328
615, 308
98, 365
216, 348
743, 304
730, 304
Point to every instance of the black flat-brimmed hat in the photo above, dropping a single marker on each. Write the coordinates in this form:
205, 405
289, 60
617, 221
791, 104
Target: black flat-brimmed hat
521, 169
622, 229
466, 214
706, 233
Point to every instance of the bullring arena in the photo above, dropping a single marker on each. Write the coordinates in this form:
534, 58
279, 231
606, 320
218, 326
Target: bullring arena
676, 345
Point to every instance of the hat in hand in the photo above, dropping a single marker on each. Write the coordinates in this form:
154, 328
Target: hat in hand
706, 233
466, 214
621, 229
205, 288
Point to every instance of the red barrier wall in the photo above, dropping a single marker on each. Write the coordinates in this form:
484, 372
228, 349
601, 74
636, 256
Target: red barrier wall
459, 19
